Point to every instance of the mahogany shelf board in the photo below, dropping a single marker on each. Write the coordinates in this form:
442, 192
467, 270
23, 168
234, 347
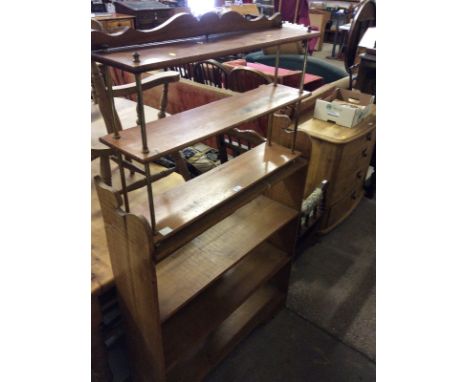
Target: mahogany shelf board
204, 314
256, 309
176, 53
191, 269
183, 205
183, 129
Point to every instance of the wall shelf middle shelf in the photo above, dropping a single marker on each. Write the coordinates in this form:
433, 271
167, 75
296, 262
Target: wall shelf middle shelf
173, 133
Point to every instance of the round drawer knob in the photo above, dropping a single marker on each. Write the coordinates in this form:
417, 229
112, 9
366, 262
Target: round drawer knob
364, 152
359, 175
354, 195
369, 136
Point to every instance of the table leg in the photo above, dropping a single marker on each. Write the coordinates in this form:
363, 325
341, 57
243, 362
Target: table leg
100, 370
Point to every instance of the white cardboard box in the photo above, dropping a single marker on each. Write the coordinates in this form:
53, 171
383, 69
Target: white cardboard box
344, 107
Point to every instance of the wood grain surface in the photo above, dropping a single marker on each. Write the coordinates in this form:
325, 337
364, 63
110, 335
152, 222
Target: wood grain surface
188, 271
186, 25
169, 54
183, 205
181, 130
205, 313
257, 309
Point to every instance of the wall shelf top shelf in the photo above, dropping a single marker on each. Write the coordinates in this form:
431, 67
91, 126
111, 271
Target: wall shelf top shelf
165, 54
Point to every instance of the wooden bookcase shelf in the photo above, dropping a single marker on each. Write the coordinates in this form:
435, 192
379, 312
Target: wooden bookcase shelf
216, 261
256, 309
179, 207
192, 268
198, 319
181, 130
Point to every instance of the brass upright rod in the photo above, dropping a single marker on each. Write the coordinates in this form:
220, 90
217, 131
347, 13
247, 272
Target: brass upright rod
141, 113
296, 123
123, 182
304, 66
276, 64
270, 128
149, 189
108, 80
301, 90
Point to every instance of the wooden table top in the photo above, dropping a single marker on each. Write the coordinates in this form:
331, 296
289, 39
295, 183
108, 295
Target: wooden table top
331, 132
102, 277
168, 54
127, 114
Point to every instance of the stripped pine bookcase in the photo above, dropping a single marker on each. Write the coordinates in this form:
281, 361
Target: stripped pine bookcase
198, 266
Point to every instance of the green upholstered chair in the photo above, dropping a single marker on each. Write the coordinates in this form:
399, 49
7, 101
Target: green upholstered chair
315, 66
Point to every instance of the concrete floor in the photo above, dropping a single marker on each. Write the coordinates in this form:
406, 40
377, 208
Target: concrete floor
326, 333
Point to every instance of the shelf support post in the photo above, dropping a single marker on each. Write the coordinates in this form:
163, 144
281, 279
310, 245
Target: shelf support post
275, 82
108, 81
304, 66
141, 113
123, 182
162, 112
301, 90
149, 189
270, 128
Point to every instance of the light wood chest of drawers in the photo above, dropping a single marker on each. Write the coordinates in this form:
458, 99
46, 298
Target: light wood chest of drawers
341, 155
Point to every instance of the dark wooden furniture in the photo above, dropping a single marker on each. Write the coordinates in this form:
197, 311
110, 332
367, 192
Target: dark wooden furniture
199, 266
365, 18
211, 72
116, 22
236, 142
244, 78
366, 78
147, 14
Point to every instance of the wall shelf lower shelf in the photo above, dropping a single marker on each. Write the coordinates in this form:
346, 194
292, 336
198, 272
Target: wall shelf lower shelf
260, 306
198, 319
192, 268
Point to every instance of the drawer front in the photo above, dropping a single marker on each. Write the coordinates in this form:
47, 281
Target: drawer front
342, 208
356, 153
353, 166
114, 25
348, 181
